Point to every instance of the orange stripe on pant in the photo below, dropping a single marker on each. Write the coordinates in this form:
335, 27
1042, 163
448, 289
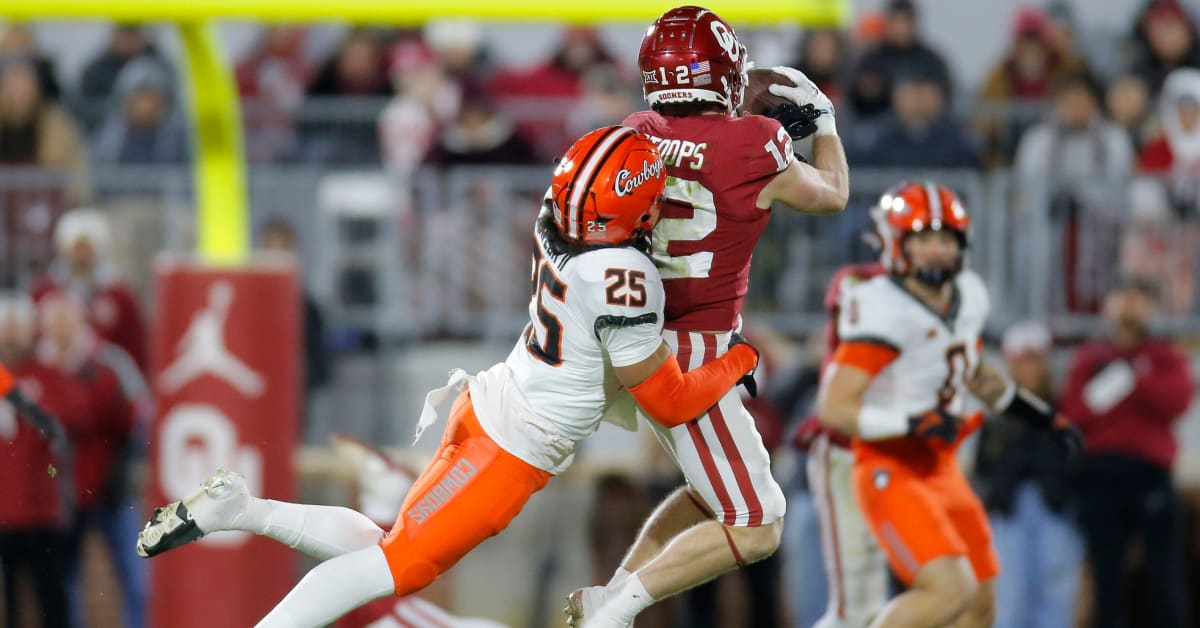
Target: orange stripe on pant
469, 492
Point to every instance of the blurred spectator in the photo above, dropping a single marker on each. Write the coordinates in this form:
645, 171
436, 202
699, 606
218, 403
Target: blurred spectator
1074, 163
143, 126
1022, 480
823, 57
126, 42
1125, 392
537, 98
37, 498
606, 99
1175, 153
1164, 39
278, 236
901, 51
34, 133
102, 446
17, 41
1127, 102
919, 133
1157, 246
1018, 86
272, 81
343, 132
84, 269
356, 69
458, 44
481, 136
426, 101
1077, 142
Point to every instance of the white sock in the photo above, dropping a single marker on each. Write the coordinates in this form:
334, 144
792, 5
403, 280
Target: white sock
618, 578
332, 589
625, 602
321, 532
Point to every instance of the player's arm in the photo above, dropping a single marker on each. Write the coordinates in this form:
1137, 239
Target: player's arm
841, 403
51, 430
672, 397
824, 186
1004, 397
820, 188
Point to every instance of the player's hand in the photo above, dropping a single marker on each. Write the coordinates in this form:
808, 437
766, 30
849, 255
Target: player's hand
804, 92
936, 423
1068, 437
748, 380
799, 121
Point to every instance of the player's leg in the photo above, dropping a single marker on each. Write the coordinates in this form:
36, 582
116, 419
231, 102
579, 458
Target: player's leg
726, 465
970, 522
470, 491
224, 503
910, 522
855, 566
677, 512
940, 592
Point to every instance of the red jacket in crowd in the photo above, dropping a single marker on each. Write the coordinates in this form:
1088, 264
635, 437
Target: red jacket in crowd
97, 440
1139, 424
32, 495
112, 310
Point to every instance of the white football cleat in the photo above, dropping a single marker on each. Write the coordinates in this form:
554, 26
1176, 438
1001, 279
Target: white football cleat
582, 606
215, 506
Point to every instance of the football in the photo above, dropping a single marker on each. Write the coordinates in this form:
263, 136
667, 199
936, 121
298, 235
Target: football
757, 98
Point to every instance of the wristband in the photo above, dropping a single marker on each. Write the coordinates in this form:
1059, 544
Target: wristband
876, 423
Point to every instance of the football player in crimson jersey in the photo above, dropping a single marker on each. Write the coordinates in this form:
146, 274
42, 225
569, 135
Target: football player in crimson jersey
593, 342
725, 172
910, 344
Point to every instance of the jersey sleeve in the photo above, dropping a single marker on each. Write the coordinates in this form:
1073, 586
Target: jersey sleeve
765, 151
864, 317
626, 298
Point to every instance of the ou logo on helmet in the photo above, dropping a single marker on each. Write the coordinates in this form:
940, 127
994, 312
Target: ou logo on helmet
727, 40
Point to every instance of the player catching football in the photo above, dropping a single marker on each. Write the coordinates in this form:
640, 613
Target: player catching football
909, 348
594, 338
725, 171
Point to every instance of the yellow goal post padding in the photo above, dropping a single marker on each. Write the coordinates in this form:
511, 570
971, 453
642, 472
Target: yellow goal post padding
222, 212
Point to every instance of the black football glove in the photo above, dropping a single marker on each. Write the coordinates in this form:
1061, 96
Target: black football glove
799, 121
1068, 437
747, 380
936, 423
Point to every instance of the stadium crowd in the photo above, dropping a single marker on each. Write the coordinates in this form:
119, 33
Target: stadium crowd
1075, 543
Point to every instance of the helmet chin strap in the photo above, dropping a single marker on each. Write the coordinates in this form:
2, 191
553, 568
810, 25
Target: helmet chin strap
934, 277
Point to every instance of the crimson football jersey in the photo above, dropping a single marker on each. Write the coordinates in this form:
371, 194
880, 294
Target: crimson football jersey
717, 166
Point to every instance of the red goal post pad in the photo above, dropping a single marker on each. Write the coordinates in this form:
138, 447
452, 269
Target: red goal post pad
226, 360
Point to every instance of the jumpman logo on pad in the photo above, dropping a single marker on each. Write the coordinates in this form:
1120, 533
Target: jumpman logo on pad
202, 350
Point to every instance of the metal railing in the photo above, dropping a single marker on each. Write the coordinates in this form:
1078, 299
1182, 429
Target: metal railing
445, 254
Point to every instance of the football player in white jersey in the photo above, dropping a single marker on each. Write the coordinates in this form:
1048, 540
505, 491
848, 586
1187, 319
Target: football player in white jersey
594, 340
909, 348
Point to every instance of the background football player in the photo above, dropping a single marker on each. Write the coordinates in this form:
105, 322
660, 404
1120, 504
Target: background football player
725, 173
910, 346
594, 335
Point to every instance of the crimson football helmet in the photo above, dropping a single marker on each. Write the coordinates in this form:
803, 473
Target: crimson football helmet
911, 207
690, 54
606, 189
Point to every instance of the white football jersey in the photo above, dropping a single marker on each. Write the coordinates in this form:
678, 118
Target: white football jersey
589, 313
936, 352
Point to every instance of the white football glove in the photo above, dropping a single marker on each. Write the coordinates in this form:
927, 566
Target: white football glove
805, 92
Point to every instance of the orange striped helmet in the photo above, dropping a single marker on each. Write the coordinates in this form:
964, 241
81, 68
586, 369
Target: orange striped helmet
910, 207
607, 188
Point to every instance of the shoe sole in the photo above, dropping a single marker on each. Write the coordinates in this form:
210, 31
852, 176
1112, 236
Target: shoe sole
172, 525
